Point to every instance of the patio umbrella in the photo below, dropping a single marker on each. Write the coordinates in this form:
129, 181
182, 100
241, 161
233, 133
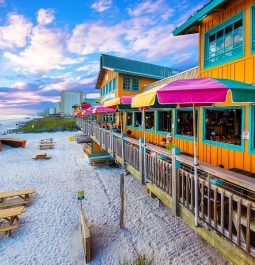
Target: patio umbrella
199, 91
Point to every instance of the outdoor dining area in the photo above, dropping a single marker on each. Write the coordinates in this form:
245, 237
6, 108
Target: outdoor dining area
12, 205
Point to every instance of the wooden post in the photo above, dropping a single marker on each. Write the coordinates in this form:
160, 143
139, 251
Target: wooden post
175, 151
122, 200
141, 157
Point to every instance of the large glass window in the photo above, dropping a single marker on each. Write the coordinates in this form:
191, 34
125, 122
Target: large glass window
129, 119
225, 43
253, 28
224, 125
138, 119
149, 120
164, 121
131, 84
185, 122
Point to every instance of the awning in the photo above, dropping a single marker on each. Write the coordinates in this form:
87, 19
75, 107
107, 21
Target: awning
126, 100
102, 109
205, 90
197, 90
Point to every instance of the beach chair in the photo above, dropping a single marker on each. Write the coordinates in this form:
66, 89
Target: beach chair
41, 155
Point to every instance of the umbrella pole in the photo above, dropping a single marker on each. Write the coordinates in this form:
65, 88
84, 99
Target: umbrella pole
122, 140
195, 165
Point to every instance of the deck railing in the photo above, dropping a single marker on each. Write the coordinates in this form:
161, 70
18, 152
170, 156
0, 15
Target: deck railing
229, 208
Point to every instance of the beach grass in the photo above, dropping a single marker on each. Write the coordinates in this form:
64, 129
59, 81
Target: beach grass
49, 124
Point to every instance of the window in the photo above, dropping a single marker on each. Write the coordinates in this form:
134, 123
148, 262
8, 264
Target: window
131, 84
253, 28
129, 116
109, 87
252, 129
185, 122
149, 120
164, 121
126, 83
223, 125
138, 119
225, 42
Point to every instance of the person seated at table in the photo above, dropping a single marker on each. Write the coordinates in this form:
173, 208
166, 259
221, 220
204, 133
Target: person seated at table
169, 142
162, 143
129, 134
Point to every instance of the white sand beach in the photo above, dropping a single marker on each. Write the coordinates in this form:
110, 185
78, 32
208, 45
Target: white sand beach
50, 231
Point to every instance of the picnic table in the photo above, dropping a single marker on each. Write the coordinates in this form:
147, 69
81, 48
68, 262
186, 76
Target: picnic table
41, 155
9, 198
10, 215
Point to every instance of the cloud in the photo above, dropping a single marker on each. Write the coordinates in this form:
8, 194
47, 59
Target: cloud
20, 85
16, 32
96, 37
101, 5
151, 7
90, 69
45, 16
2, 2
45, 52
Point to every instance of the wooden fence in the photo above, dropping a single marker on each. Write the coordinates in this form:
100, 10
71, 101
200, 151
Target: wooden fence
229, 208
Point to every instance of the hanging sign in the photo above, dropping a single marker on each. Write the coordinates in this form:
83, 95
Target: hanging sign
80, 195
245, 135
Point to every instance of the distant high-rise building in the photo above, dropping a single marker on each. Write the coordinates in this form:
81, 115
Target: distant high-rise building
58, 107
69, 99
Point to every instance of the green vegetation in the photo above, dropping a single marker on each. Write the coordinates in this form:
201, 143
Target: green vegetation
139, 259
49, 124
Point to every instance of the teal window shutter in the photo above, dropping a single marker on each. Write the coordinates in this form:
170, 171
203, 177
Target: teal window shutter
224, 42
135, 84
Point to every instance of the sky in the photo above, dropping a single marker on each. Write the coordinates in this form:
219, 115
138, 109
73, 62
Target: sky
47, 46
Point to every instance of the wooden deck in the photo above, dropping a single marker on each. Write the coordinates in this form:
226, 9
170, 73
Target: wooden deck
226, 211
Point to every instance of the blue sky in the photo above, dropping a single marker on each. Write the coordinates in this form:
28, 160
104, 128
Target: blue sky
47, 46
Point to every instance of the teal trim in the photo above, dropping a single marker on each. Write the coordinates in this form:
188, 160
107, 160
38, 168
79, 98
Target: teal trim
185, 27
185, 137
252, 24
220, 144
251, 147
157, 122
228, 55
109, 87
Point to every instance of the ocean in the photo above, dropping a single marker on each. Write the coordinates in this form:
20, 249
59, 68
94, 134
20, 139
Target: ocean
8, 122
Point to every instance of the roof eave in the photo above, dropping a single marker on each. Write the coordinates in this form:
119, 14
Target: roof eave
191, 25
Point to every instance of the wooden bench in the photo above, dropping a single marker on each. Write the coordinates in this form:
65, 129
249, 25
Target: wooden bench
47, 141
41, 156
8, 229
46, 146
86, 239
15, 203
16, 143
101, 160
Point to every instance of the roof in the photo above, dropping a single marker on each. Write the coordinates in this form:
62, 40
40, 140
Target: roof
132, 67
191, 25
187, 74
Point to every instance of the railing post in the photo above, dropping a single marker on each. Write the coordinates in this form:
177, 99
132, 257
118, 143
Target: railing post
141, 160
175, 166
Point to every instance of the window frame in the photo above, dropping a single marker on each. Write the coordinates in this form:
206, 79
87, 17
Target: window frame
223, 25
157, 121
221, 144
149, 130
251, 144
185, 137
252, 34
130, 126
130, 83
141, 126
